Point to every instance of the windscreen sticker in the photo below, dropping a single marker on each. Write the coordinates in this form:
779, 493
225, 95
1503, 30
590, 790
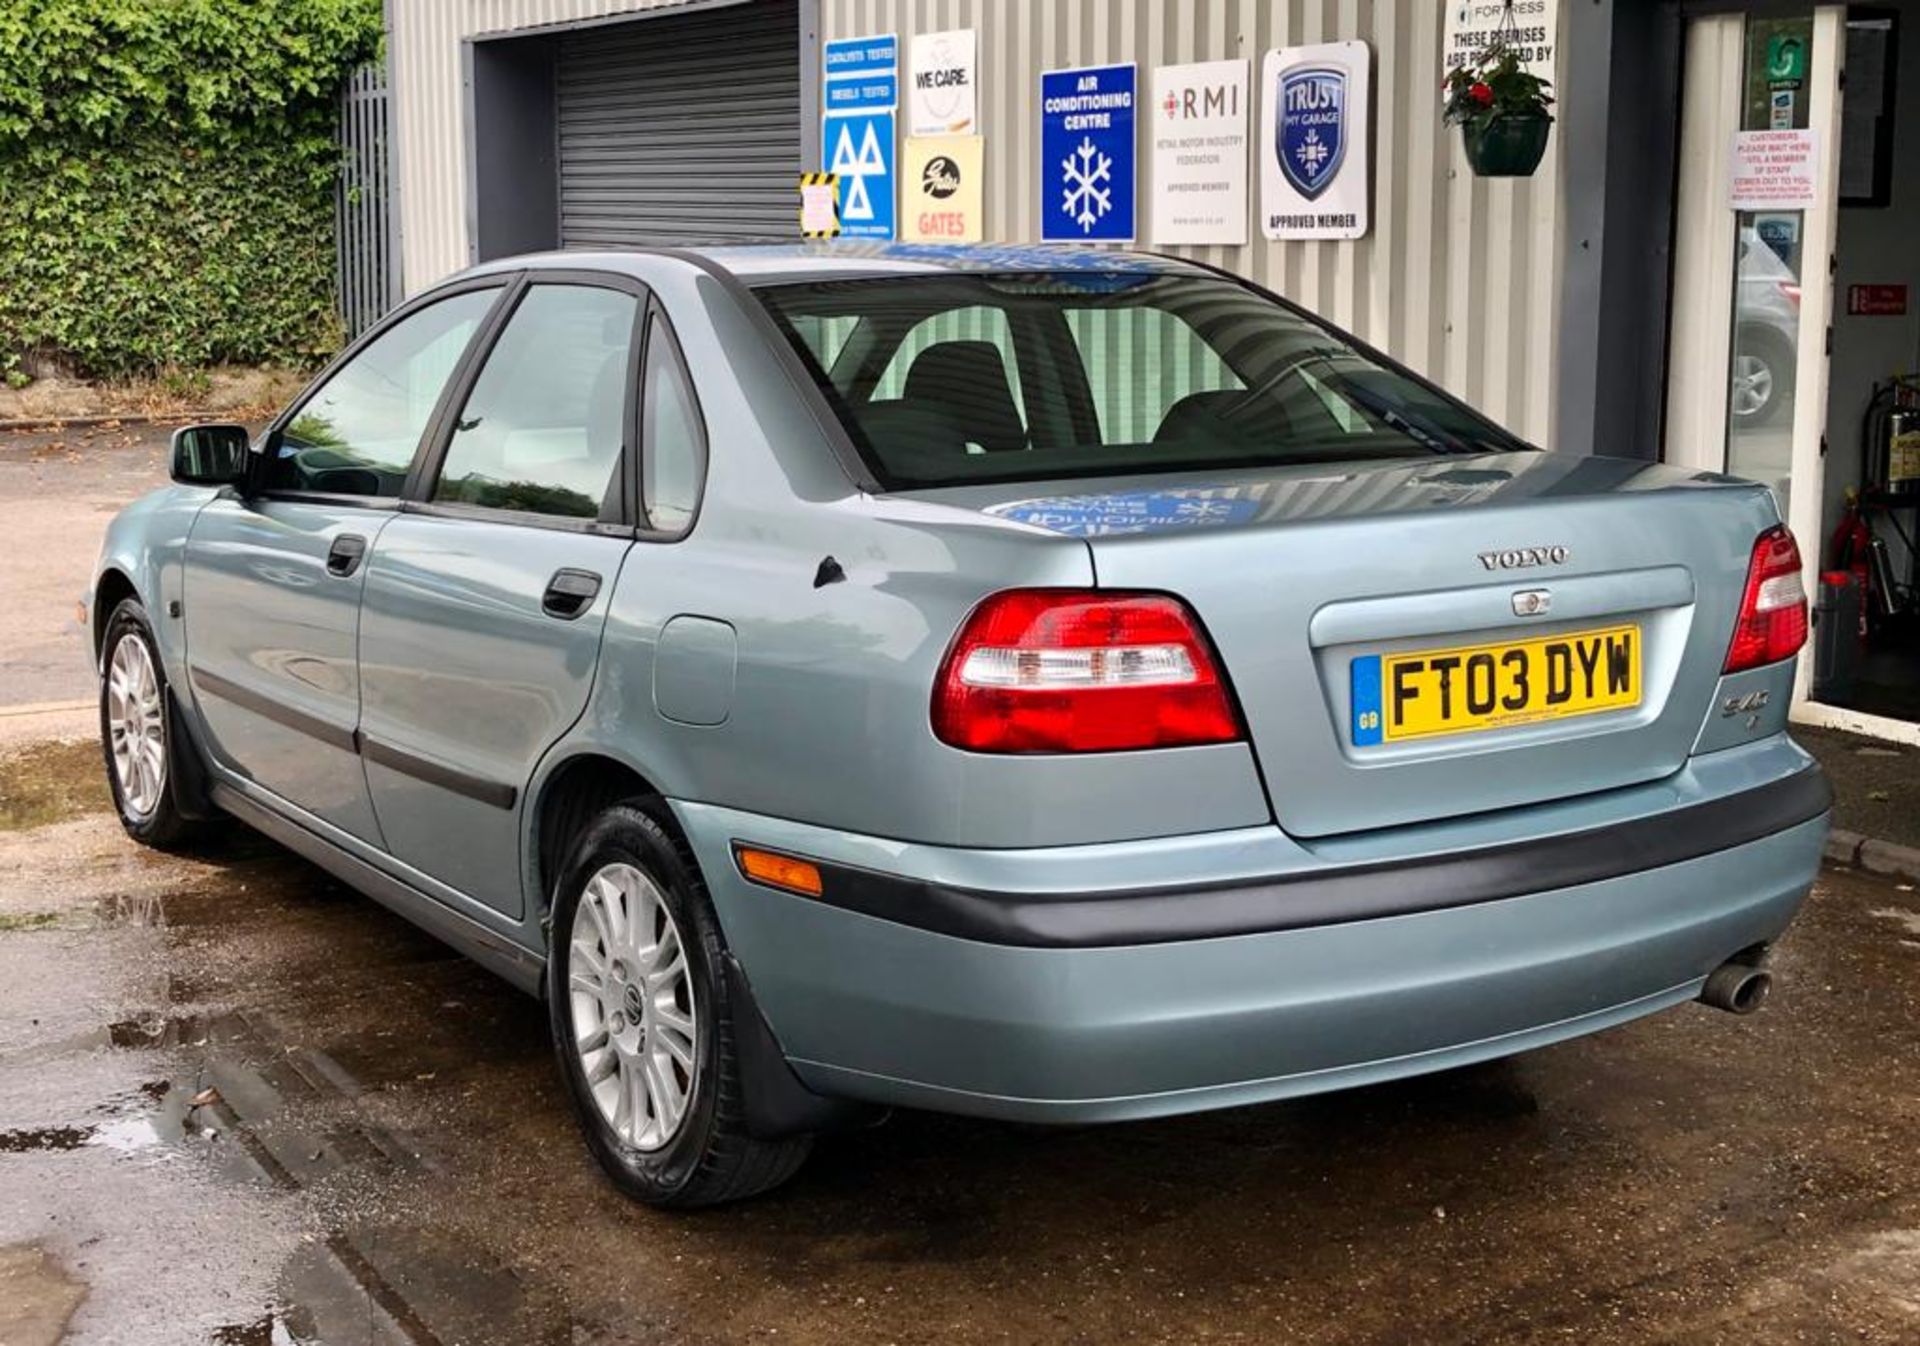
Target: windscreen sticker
1131, 512
1025, 258
1366, 701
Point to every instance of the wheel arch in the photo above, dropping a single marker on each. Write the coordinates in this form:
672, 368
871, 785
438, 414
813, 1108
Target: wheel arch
110, 590
568, 797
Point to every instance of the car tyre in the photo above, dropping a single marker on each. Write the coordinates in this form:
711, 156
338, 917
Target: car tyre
660, 1100
137, 733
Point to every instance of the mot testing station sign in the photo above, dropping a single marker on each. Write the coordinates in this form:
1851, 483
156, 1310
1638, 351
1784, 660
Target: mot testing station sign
1199, 118
861, 75
1315, 142
942, 99
1473, 25
1087, 154
940, 196
1774, 170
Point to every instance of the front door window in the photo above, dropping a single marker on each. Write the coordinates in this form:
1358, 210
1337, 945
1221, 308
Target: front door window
356, 433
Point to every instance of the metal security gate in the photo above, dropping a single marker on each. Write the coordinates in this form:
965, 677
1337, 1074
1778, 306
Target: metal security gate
680, 127
364, 243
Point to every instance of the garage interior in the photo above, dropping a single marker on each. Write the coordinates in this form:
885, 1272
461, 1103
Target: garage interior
671, 125
1870, 659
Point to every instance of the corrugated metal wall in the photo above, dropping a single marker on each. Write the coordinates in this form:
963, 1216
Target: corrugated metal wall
1459, 277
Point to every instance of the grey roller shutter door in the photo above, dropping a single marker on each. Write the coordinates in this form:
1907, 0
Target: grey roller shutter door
680, 127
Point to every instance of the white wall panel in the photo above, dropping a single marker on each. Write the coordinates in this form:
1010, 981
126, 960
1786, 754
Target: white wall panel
1459, 276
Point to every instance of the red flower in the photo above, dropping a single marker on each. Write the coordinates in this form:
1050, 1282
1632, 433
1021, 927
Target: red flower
1481, 94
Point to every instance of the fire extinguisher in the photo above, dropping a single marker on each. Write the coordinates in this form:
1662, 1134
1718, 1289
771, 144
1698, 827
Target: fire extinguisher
1891, 437
1852, 551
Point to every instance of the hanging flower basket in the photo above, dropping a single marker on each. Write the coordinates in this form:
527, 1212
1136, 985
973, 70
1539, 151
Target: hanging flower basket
1506, 147
1501, 108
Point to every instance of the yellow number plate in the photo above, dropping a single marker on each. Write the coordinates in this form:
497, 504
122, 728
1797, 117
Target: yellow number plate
1455, 691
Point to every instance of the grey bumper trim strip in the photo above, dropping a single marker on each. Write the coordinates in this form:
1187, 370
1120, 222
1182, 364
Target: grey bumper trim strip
499, 795
1337, 894
495, 793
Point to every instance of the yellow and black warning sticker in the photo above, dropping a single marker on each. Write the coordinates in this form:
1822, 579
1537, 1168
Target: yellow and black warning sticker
819, 205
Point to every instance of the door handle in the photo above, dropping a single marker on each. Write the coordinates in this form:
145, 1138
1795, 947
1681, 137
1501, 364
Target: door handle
343, 557
568, 593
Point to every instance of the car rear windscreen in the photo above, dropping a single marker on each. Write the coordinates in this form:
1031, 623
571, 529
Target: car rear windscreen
948, 379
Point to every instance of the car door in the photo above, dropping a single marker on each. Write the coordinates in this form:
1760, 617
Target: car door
274, 574
485, 600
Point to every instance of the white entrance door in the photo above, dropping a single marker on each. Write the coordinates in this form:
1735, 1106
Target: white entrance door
1752, 279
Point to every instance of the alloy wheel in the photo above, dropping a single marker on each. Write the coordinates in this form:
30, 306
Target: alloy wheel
1752, 385
136, 728
631, 1007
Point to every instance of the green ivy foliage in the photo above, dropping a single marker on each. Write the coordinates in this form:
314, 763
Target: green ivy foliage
166, 179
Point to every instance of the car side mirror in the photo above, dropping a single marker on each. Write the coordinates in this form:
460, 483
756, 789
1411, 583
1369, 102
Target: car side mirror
210, 455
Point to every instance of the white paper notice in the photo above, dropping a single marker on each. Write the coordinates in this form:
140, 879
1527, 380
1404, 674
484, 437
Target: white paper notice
819, 213
1774, 170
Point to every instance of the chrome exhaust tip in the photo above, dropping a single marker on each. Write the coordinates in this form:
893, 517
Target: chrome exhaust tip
1738, 988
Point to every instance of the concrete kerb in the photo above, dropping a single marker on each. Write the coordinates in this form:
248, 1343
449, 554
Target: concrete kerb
1855, 851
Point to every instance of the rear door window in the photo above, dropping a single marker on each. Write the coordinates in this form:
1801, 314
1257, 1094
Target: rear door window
357, 432
543, 430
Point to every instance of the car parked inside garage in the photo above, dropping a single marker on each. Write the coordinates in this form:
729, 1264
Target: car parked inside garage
1043, 684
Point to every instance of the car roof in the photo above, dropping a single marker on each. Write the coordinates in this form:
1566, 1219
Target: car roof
843, 259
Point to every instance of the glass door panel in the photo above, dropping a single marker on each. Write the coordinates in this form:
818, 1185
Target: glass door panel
1767, 255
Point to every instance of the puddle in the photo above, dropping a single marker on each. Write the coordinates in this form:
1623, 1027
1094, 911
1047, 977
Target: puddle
44, 1139
147, 1118
127, 1135
275, 1327
155, 1031
130, 910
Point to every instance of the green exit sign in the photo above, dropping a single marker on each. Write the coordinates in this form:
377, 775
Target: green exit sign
1786, 57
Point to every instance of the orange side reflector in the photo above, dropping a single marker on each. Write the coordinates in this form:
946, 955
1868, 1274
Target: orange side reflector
779, 871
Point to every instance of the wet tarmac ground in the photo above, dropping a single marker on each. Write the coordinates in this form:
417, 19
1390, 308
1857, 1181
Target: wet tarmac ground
241, 1104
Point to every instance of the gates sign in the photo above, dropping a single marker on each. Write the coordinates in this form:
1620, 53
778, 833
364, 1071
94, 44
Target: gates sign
1316, 173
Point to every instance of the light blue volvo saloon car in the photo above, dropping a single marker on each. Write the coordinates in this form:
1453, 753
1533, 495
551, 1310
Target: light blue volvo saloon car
1052, 685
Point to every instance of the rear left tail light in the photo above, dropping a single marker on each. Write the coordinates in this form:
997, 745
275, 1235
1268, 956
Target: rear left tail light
1773, 610
1081, 670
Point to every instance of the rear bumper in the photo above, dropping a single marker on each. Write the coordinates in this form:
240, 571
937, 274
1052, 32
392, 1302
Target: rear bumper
891, 1011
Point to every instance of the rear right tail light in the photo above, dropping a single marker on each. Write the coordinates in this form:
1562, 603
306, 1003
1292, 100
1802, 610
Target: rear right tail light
1081, 670
1773, 610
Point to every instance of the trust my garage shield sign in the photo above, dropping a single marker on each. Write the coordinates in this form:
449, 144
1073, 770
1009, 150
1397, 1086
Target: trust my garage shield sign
1315, 160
